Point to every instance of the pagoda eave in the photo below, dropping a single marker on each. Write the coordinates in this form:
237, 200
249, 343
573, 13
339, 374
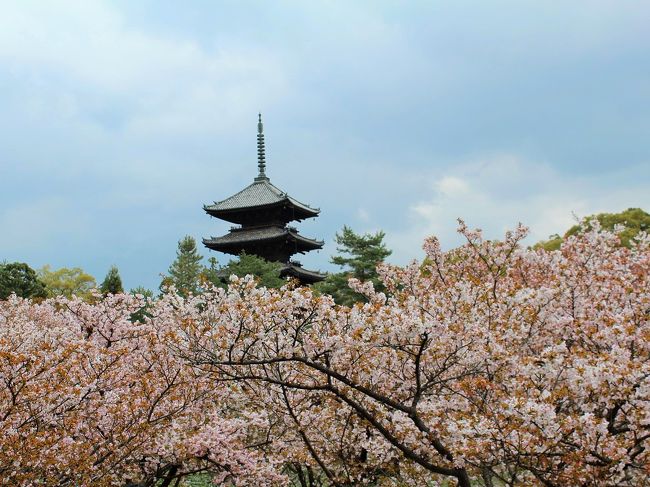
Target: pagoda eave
259, 195
288, 245
295, 270
266, 234
285, 209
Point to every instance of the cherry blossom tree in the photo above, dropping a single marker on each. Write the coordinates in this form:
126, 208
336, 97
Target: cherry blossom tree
489, 363
89, 398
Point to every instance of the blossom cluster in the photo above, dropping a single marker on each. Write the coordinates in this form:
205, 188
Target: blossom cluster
89, 398
490, 362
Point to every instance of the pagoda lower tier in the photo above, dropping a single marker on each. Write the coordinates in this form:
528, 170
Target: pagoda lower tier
275, 243
292, 269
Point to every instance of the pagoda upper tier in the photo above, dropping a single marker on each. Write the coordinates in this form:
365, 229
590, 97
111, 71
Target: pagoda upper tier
260, 203
263, 210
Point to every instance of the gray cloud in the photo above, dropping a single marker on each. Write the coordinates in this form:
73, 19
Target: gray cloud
120, 119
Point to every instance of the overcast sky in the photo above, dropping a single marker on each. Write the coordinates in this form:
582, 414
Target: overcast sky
119, 120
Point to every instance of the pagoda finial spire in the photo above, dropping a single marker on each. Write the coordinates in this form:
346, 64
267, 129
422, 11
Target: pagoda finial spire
261, 162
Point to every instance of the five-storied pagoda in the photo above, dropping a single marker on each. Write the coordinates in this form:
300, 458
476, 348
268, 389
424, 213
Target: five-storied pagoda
262, 212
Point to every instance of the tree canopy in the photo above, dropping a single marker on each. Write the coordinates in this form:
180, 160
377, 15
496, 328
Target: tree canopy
20, 279
359, 257
147, 296
90, 398
185, 272
490, 364
266, 273
112, 283
67, 282
633, 219
486, 365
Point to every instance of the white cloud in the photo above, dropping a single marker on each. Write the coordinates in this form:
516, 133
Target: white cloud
496, 193
162, 84
451, 186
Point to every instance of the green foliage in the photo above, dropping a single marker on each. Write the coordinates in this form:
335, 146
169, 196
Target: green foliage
634, 220
553, 243
267, 273
211, 274
185, 272
67, 282
112, 283
359, 259
147, 293
19, 278
336, 285
144, 311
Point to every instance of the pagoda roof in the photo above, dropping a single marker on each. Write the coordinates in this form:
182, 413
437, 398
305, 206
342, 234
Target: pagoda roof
244, 235
292, 268
260, 193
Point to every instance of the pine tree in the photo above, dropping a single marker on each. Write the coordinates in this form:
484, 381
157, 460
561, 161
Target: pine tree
212, 273
112, 283
143, 312
361, 254
185, 272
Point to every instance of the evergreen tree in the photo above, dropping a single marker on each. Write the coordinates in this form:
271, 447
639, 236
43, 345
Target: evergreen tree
185, 272
112, 283
143, 312
147, 293
359, 257
213, 274
19, 278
